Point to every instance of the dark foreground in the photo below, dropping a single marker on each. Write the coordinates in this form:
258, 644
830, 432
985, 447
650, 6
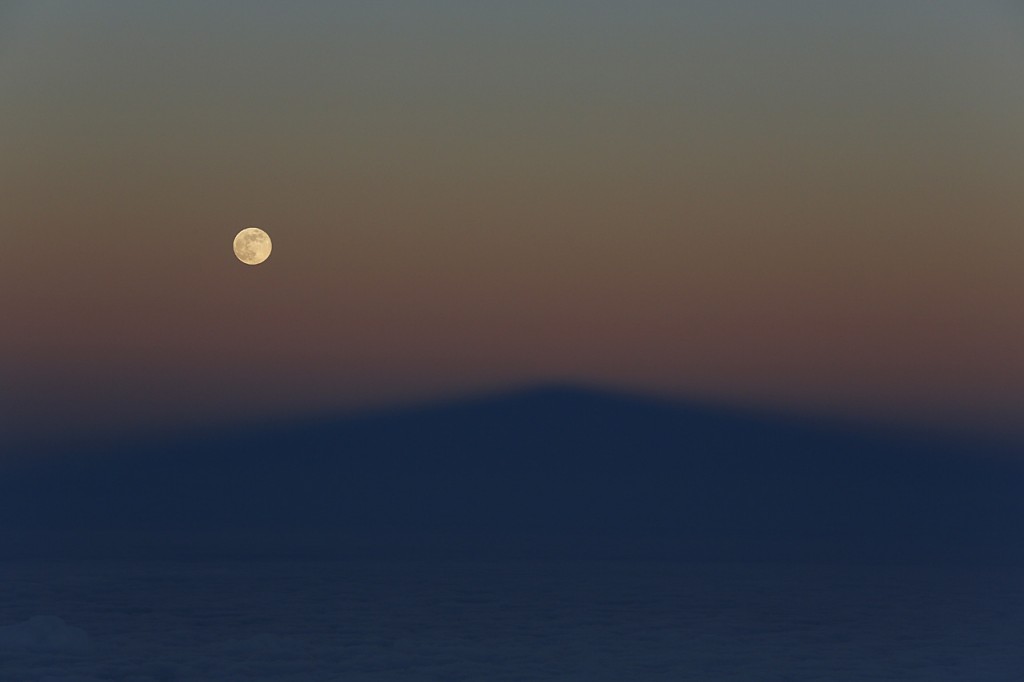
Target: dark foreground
308, 622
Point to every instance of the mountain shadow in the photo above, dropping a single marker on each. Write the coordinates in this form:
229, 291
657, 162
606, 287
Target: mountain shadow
545, 473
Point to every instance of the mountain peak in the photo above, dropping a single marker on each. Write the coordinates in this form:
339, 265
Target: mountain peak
555, 469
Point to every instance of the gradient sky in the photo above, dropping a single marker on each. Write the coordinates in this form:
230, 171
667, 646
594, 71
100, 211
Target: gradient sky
802, 205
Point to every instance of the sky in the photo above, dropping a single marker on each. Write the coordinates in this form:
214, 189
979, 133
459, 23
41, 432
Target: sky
794, 205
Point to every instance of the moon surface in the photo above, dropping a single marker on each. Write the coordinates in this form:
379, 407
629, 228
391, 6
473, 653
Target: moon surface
252, 246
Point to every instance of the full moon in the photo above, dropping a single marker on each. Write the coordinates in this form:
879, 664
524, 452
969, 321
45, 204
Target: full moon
252, 246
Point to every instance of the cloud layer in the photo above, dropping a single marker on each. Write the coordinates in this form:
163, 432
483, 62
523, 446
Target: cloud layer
335, 621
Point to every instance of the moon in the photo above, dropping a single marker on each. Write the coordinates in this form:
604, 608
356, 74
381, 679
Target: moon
252, 246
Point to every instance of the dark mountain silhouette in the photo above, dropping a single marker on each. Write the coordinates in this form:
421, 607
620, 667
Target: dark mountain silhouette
552, 472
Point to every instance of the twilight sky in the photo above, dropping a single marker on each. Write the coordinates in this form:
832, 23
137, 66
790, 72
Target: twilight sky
802, 205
